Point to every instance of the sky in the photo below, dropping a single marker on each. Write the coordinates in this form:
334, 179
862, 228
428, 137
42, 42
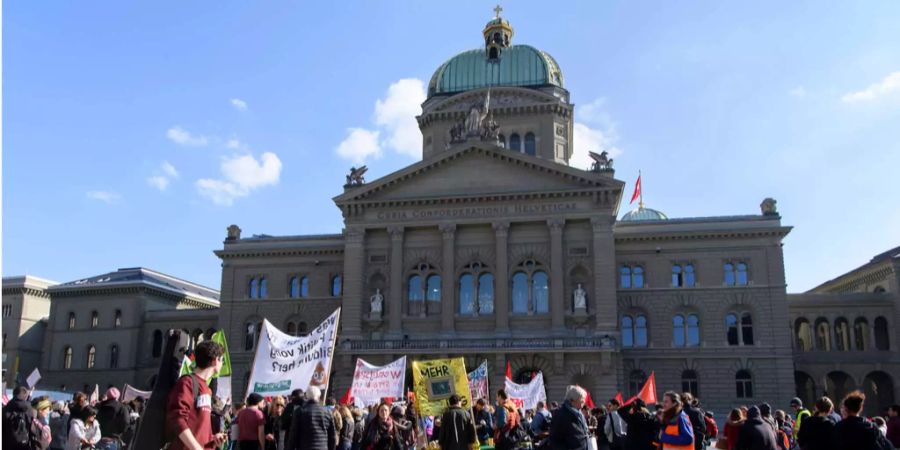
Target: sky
134, 133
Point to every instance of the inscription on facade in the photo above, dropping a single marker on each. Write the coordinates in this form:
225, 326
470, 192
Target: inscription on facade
478, 211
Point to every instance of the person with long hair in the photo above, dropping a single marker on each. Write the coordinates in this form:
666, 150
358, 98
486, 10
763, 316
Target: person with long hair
732, 429
273, 424
642, 425
381, 434
677, 432
348, 427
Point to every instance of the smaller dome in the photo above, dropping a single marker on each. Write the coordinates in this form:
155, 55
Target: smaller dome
642, 214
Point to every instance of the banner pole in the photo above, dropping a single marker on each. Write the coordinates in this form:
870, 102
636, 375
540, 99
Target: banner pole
253, 363
337, 324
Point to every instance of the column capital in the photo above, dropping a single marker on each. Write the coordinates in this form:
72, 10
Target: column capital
501, 227
447, 229
602, 223
354, 234
556, 224
395, 232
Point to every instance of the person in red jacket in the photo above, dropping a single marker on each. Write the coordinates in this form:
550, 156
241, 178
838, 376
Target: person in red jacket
893, 425
188, 415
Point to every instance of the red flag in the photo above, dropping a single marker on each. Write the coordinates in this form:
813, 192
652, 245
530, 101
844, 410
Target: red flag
619, 398
348, 397
508, 371
588, 400
648, 392
637, 190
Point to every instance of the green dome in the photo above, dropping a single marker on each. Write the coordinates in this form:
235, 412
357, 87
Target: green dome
642, 214
518, 65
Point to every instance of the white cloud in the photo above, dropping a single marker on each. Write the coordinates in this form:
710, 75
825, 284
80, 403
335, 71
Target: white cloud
169, 170
239, 104
158, 182
798, 91
397, 112
241, 175
181, 136
890, 83
107, 197
359, 145
235, 144
594, 131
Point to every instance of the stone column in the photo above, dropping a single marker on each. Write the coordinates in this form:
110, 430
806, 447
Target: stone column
395, 297
604, 303
352, 298
448, 278
501, 278
557, 276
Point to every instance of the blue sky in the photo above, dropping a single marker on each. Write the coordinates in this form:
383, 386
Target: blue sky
136, 132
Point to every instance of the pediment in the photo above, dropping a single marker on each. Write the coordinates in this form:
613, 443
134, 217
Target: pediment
481, 171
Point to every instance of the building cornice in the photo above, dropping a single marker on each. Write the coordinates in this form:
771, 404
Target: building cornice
182, 300
778, 232
269, 252
851, 280
27, 291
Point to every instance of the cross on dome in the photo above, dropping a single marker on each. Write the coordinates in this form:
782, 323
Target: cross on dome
498, 9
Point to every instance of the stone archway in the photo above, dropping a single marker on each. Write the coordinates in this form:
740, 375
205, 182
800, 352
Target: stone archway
879, 389
805, 388
837, 385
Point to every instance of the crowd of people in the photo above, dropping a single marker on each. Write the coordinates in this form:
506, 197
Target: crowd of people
197, 420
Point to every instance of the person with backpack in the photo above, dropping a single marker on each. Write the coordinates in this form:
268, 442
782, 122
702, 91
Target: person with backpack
691, 407
84, 433
855, 432
42, 422
511, 433
19, 432
642, 426
783, 431
817, 430
189, 405
615, 429
113, 418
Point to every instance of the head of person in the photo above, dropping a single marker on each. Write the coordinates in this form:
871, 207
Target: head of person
330, 401
383, 411
736, 415
21, 393
237, 407
894, 411
80, 398
540, 406
554, 406
209, 354
297, 394
254, 400
613, 404
501, 396
853, 404
575, 395
687, 399
671, 406
780, 416
753, 412
638, 405
313, 394
454, 400
796, 404
397, 412
765, 410
112, 394
277, 406
60, 407
480, 404
88, 414
42, 406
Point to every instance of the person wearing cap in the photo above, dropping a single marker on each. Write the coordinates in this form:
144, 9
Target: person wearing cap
113, 418
42, 420
800, 413
251, 425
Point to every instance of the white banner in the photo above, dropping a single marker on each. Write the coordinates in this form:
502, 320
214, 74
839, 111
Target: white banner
130, 393
33, 378
223, 389
372, 383
284, 362
526, 396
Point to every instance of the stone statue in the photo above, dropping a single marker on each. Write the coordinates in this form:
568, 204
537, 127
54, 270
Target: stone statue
234, 233
476, 116
355, 177
376, 303
580, 298
767, 207
251, 328
478, 123
602, 161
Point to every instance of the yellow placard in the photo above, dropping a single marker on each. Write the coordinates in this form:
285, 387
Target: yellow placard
435, 381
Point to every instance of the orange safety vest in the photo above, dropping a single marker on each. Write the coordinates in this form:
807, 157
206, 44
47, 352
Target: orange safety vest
672, 430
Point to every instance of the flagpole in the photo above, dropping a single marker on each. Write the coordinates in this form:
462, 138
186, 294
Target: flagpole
337, 324
641, 192
253, 363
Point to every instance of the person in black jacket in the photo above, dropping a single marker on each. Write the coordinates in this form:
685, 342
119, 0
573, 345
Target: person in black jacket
816, 431
855, 432
642, 426
113, 419
312, 426
568, 429
457, 428
691, 407
294, 402
755, 433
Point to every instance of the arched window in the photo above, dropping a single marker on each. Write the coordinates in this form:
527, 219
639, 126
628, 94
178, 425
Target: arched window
415, 295
291, 328
625, 277
741, 274
743, 384
636, 380
677, 276
678, 330
254, 288
729, 274
95, 319
861, 333
689, 382
91, 356
67, 358
637, 277
336, 286
294, 287
251, 334
263, 287
302, 329
467, 294
882, 340
493, 53
747, 328
823, 335
530, 146
693, 330
114, 356
423, 290
541, 292
841, 335
433, 289
879, 290
531, 285
731, 329
157, 343
502, 140
640, 331
304, 287
71, 320
627, 331
690, 279
515, 142
486, 294
803, 335
520, 292
117, 321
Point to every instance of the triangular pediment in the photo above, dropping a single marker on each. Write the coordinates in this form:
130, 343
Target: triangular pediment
482, 171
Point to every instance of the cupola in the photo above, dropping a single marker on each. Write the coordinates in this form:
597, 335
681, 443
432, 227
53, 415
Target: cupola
497, 35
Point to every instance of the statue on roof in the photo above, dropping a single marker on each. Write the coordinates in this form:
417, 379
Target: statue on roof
478, 123
768, 208
601, 162
355, 177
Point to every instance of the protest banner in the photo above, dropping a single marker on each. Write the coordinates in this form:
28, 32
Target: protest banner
526, 396
283, 362
33, 378
372, 383
435, 381
478, 383
129, 393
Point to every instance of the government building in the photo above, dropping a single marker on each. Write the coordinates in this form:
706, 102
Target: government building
493, 247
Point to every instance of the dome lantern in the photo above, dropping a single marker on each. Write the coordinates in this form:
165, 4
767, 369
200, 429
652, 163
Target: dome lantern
497, 35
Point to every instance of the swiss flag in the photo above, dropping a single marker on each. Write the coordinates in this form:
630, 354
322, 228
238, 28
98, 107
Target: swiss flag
508, 371
637, 190
648, 392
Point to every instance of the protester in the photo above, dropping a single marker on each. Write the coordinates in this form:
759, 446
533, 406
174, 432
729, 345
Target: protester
85, 431
643, 428
188, 415
800, 413
783, 431
712, 429
59, 425
359, 427
113, 419
817, 430
404, 427
18, 418
251, 424
79, 402
568, 429
42, 422
312, 427
854, 432
484, 423
274, 439
880, 424
296, 401
615, 428
765, 413
380, 432
336, 417
499, 408
510, 434
676, 431
691, 407
233, 428
756, 434
591, 420
732, 430
540, 424
457, 428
